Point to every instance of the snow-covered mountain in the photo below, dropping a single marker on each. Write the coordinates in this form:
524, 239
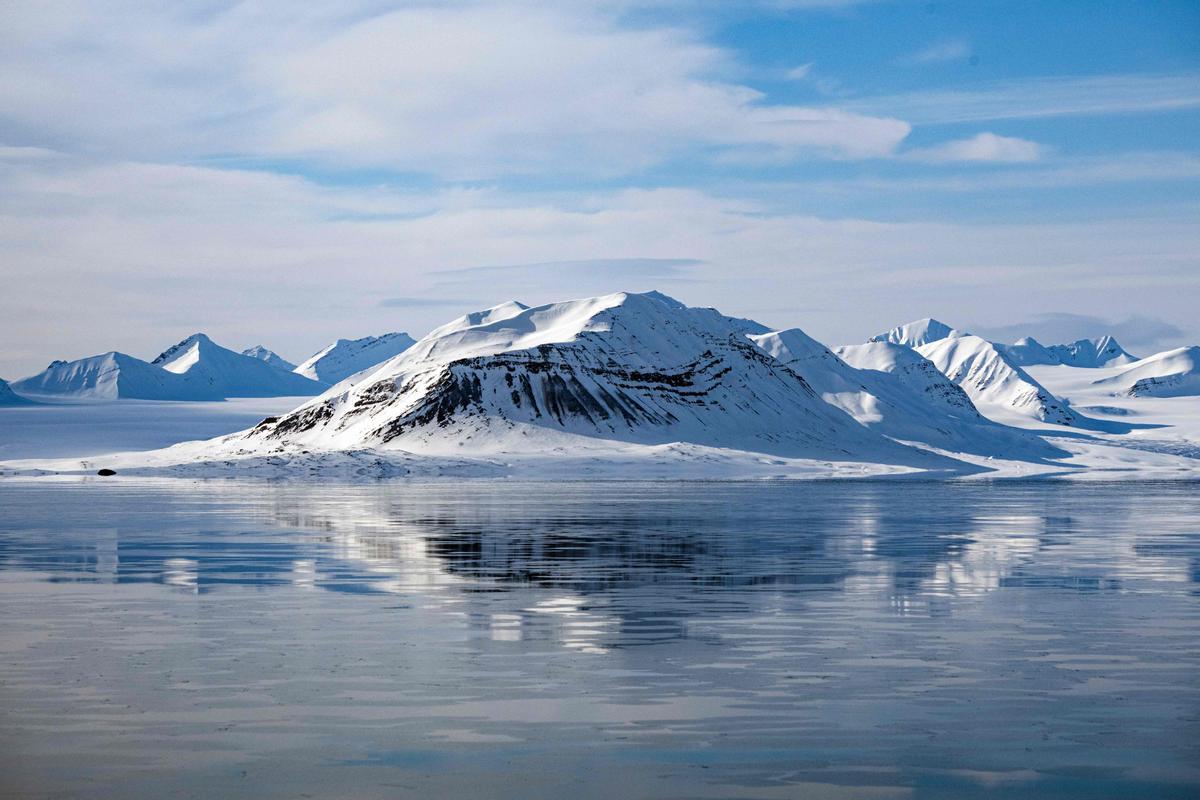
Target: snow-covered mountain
347, 357
636, 368
1173, 373
487, 316
1090, 353
994, 383
112, 376
269, 356
10, 398
221, 372
1028, 352
915, 334
893, 390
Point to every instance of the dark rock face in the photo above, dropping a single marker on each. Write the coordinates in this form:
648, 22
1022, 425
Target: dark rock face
302, 420
106, 472
549, 384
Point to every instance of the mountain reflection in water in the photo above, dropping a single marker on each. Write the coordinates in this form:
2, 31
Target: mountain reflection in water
642, 639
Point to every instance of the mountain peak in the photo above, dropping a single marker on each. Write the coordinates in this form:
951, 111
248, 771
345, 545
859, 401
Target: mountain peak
270, 356
663, 298
1100, 352
918, 332
230, 374
487, 316
174, 351
622, 367
991, 378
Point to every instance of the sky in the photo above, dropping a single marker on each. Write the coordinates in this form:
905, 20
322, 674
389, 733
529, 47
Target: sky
287, 174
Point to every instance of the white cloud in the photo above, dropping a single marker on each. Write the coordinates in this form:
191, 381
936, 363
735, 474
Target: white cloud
1034, 98
799, 73
983, 147
954, 50
462, 90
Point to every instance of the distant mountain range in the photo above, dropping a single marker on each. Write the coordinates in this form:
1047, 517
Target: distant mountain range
211, 370
646, 369
1087, 353
641, 376
198, 368
639, 368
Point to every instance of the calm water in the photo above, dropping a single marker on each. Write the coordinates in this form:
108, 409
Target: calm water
644, 640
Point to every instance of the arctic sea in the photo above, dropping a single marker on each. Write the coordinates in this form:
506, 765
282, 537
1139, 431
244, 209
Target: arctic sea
834, 639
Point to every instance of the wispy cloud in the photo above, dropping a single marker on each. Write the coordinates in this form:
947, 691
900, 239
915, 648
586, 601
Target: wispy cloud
983, 147
1042, 97
1135, 332
634, 267
1056, 172
799, 73
189, 239
953, 50
420, 302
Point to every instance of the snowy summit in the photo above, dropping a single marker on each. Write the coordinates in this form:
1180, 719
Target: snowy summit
224, 373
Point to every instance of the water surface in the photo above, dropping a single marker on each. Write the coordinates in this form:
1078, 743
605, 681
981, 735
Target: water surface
760, 640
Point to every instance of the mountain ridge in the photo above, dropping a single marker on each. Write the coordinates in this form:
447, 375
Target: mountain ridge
640, 368
344, 358
226, 373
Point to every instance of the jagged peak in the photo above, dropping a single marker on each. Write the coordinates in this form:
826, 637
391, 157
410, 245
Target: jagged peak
175, 349
1101, 351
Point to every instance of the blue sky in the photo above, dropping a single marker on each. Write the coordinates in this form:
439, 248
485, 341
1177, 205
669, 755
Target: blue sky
285, 176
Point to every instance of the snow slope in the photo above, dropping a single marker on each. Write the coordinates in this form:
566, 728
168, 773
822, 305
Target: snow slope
621, 368
112, 376
10, 398
1173, 373
346, 357
1028, 352
269, 356
915, 334
220, 372
1091, 353
892, 389
494, 314
994, 384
